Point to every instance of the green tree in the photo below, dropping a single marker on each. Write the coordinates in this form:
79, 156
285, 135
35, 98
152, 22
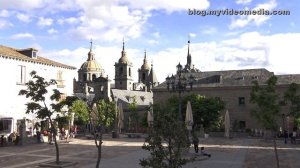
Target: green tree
268, 107
133, 113
81, 110
107, 111
102, 115
206, 110
166, 140
292, 97
37, 91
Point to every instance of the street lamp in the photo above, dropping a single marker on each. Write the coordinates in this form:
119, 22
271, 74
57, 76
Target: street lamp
178, 83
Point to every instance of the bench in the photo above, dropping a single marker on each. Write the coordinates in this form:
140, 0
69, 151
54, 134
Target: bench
133, 135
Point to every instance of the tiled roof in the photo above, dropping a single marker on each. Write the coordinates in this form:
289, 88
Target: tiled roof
15, 54
235, 78
143, 99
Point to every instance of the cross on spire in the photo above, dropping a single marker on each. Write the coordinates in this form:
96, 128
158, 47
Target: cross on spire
91, 45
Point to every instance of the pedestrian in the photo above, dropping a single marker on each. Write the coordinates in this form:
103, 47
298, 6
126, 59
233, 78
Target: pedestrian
196, 143
294, 135
285, 134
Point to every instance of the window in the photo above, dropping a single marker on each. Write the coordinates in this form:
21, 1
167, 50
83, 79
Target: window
59, 80
241, 100
84, 77
94, 77
129, 71
5, 125
121, 71
143, 76
21, 75
33, 54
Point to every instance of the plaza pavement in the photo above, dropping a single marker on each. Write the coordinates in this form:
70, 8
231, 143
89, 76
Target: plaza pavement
126, 152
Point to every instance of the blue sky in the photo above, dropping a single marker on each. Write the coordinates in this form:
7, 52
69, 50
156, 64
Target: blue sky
61, 30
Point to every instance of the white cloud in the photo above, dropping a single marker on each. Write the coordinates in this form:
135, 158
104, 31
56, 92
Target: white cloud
209, 30
16, 4
22, 36
110, 23
152, 42
5, 24
278, 53
243, 20
70, 20
192, 34
156, 34
52, 31
168, 5
45, 22
108, 20
23, 18
244, 2
4, 13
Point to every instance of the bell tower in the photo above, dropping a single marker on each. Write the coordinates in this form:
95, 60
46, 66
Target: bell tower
123, 72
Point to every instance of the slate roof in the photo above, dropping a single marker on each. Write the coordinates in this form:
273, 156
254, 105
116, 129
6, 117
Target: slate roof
235, 78
143, 99
14, 53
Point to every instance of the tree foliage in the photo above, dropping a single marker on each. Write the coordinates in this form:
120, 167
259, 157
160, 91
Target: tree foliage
206, 110
166, 140
106, 112
133, 113
81, 110
268, 107
267, 101
37, 91
293, 98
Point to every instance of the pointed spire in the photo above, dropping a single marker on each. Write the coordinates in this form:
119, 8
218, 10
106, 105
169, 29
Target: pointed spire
91, 44
145, 57
189, 57
188, 45
123, 45
91, 54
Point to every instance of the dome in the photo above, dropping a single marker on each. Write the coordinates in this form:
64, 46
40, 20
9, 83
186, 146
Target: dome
91, 65
123, 59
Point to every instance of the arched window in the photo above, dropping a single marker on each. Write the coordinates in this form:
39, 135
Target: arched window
84, 77
129, 71
121, 71
143, 77
94, 77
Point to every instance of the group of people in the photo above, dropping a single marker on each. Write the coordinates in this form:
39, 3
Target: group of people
64, 134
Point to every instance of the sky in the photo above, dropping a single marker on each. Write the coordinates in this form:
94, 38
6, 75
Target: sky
62, 29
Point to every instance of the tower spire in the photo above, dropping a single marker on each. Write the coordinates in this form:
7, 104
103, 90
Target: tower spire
123, 45
91, 47
188, 45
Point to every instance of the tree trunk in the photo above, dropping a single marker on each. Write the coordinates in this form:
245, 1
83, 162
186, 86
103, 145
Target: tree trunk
98, 145
275, 150
55, 142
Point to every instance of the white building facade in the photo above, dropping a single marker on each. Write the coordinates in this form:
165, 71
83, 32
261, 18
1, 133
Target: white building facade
15, 68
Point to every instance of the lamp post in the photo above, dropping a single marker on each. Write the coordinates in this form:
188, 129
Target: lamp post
178, 83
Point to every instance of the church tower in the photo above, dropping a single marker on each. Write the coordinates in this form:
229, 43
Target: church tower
123, 72
144, 71
90, 69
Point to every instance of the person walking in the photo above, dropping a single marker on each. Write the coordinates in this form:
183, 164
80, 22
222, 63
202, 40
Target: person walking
285, 134
196, 143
